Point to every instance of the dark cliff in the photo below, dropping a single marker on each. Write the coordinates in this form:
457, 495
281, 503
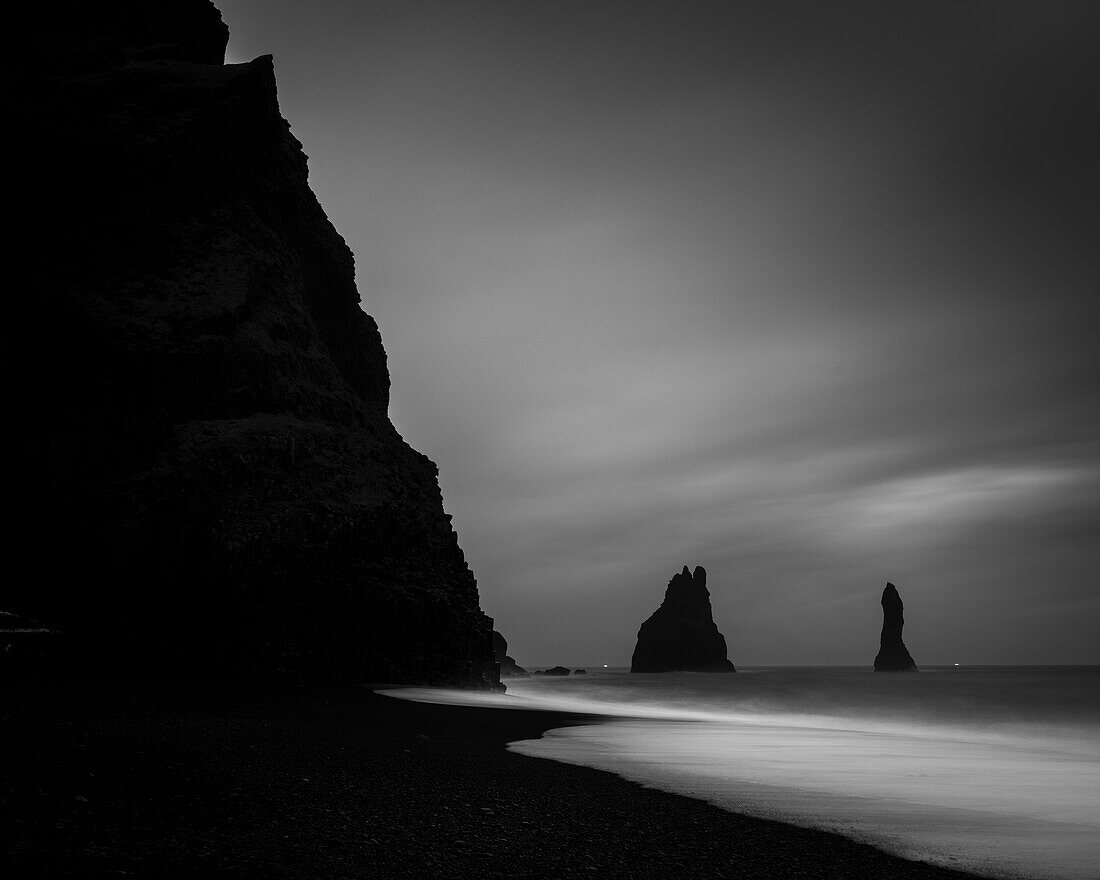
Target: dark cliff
681, 634
508, 666
893, 656
208, 480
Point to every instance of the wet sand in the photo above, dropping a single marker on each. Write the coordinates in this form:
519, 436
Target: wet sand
134, 781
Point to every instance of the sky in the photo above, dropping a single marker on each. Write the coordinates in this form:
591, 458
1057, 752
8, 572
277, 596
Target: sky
802, 293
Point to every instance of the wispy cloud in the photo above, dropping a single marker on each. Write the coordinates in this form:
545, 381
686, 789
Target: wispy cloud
803, 293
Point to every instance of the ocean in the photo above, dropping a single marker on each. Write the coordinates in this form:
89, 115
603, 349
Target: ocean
994, 770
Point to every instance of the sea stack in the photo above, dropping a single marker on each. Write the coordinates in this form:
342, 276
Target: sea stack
681, 635
893, 656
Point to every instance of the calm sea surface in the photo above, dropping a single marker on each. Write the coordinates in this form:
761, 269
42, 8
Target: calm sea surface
995, 770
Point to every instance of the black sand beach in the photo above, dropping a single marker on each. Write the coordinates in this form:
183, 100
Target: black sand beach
128, 781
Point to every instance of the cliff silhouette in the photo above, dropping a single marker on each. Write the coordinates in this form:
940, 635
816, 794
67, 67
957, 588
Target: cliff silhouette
208, 482
892, 655
681, 635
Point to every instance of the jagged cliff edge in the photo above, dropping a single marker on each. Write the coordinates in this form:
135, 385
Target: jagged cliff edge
207, 480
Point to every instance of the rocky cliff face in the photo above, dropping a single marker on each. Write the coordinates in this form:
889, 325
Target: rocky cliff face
681, 634
508, 666
893, 656
208, 481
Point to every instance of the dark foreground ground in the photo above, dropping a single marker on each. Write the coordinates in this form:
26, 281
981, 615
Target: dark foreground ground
122, 781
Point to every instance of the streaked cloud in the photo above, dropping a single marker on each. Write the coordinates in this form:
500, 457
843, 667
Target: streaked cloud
804, 293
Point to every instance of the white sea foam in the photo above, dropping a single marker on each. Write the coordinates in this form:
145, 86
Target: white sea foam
995, 770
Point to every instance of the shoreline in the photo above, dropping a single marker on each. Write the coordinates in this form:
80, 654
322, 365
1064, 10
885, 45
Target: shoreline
230, 781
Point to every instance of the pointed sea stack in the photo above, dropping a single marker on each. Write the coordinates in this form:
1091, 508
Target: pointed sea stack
893, 656
681, 635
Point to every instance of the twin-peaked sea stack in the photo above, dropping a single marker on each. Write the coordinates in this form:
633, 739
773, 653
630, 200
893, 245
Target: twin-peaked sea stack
893, 656
204, 479
681, 635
